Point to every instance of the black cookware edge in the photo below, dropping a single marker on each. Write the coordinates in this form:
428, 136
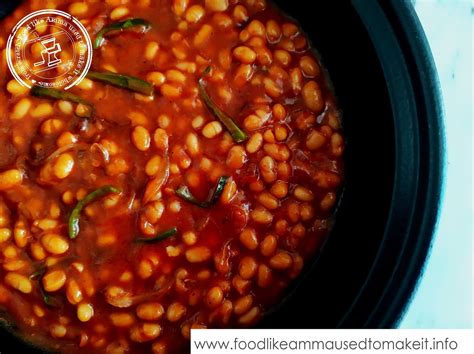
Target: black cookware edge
412, 80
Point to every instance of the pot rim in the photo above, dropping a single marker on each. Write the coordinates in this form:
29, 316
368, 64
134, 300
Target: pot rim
407, 61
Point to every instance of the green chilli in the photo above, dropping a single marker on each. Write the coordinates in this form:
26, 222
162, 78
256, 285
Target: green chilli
159, 237
120, 26
76, 212
184, 193
237, 134
123, 81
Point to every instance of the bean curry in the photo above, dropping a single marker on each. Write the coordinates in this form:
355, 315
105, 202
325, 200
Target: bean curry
182, 184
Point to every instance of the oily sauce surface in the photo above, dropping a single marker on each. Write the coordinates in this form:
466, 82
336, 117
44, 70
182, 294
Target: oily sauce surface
106, 292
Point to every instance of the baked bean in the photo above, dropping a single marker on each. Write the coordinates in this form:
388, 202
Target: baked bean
298, 265
309, 66
294, 212
303, 194
58, 331
241, 285
16, 89
281, 261
264, 276
315, 140
54, 280
229, 192
268, 245
19, 282
290, 29
285, 171
283, 57
151, 50
337, 145
63, 166
248, 237
174, 206
106, 240
198, 254
159, 348
10, 179
51, 126
150, 311
175, 312
21, 109
256, 28
298, 231
247, 268
42, 110
180, 6
243, 304
279, 111
66, 138
197, 122
171, 91
55, 244
279, 152
212, 129
5, 234
37, 251
153, 165
156, 78
217, 5
261, 215
160, 138
328, 201
145, 332
279, 189
73, 292
250, 317
146, 268
175, 76
253, 122
240, 14
119, 12
20, 234
85, 312
195, 13
122, 319
268, 201
267, 169
255, 143
269, 137
245, 55
141, 138
192, 144
306, 212
312, 96
281, 133
154, 211
214, 296
272, 88
86, 84
273, 31
203, 35
65, 107
14, 265
236, 157
296, 79
78, 9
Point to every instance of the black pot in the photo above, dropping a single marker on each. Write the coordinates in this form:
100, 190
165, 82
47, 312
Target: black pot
386, 83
